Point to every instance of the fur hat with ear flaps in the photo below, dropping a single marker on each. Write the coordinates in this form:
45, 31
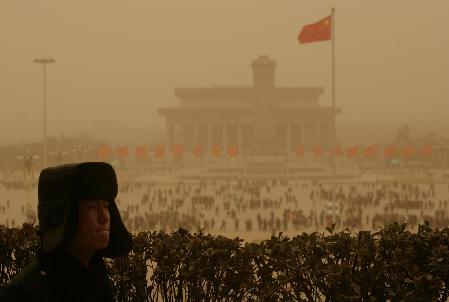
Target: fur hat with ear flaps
60, 189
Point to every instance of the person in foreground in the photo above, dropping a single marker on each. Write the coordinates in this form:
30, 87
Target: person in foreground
79, 224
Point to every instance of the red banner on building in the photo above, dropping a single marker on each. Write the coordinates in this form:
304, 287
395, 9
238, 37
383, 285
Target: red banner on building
122, 151
232, 151
141, 152
407, 151
104, 152
371, 150
198, 151
337, 150
299, 150
216, 150
178, 150
318, 150
352, 152
426, 151
389, 151
159, 151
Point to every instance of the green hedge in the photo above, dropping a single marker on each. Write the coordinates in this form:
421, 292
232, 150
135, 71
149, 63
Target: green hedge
391, 264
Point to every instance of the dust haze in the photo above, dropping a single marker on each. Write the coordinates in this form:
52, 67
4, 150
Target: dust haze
117, 62
216, 118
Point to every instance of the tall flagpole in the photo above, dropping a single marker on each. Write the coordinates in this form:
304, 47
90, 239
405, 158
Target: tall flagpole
334, 132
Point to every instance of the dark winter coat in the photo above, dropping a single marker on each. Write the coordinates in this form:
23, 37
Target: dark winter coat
60, 277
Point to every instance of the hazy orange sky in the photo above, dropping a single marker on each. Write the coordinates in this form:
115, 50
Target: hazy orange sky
120, 60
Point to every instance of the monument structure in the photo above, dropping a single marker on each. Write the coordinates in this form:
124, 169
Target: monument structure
259, 118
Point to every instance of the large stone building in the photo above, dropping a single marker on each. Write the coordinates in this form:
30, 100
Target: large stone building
250, 118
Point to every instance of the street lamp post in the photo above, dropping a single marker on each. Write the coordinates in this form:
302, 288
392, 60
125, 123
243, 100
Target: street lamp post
44, 62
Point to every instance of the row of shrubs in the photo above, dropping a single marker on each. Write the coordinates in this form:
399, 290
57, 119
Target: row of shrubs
391, 264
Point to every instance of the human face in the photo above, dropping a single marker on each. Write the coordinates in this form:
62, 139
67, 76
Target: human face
92, 232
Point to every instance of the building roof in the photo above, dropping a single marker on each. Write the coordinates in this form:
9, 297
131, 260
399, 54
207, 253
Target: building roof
263, 60
220, 91
245, 110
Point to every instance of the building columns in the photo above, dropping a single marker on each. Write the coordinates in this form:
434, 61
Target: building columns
289, 135
239, 136
210, 126
169, 127
225, 137
195, 134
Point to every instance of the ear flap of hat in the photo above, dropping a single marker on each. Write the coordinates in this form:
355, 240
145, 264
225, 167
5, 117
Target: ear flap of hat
54, 195
98, 180
53, 216
120, 240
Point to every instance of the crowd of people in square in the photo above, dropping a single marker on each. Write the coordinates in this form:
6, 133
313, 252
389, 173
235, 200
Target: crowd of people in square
243, 206
272, 206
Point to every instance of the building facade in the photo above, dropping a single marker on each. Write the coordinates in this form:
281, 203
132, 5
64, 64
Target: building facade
261, 116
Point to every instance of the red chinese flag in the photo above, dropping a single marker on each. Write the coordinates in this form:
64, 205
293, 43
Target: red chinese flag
159, 151
390, 151
407, 151
318, 150
371, 150
104, 152
232, 151
178, 150
216, 150
426, 151
141, 152
122, 151
352, 151
319, 31
299, 150
198, 151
